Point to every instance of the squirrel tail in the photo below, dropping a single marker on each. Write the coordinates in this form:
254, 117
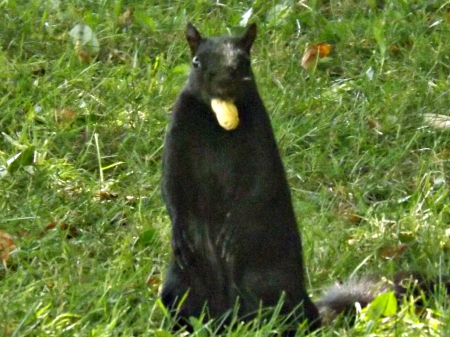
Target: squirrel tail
341, 297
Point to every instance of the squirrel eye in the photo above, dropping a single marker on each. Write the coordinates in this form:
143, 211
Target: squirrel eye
196, 62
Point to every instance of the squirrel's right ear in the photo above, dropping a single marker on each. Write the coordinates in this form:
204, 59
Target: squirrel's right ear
193, 37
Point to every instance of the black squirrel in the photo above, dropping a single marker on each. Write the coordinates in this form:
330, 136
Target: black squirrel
234, 234
235, 238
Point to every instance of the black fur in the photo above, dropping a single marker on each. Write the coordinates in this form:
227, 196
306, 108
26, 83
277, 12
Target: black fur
234, 234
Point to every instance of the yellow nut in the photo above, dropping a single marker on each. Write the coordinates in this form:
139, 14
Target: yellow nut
226, 113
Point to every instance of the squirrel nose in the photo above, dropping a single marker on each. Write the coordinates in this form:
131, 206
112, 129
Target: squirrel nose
223, 90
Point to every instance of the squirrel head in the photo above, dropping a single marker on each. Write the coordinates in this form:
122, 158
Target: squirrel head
221, 65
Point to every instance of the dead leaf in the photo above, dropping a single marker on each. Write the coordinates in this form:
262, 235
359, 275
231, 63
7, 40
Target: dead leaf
82, 54
106, 195
349, 212
118, 56
313, 53
64, 115
72, 231
394, 49
445, 153
6, 246
86, 42
373, 123
437, 121
126, 19
395, 253
153, 281
50, 226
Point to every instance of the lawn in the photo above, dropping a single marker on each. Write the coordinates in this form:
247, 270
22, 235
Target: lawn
364, 136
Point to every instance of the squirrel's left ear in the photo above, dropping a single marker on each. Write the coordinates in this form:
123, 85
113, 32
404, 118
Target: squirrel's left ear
193, 37
249, 37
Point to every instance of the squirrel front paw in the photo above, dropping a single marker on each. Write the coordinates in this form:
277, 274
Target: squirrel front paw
182, 246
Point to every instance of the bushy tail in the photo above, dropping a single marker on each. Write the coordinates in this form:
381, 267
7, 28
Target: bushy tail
341, 298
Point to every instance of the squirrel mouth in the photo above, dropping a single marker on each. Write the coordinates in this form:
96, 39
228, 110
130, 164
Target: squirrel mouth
224, 94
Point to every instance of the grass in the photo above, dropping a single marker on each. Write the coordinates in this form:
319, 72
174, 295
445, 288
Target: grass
82, 202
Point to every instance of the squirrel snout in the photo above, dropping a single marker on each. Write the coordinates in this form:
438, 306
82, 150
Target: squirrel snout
225, 91
224, 87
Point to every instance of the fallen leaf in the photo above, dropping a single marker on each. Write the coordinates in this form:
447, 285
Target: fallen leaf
6, 246
313, 53
153, 281
118, 56
394, 253
82, 54
106, 195
126, 18
86, 43
373, 123
349, 212
64, 115
394, 49
72, 231
445, 153
51, 225
437, 121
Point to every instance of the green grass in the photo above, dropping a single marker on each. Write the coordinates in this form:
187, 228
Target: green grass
351, 133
